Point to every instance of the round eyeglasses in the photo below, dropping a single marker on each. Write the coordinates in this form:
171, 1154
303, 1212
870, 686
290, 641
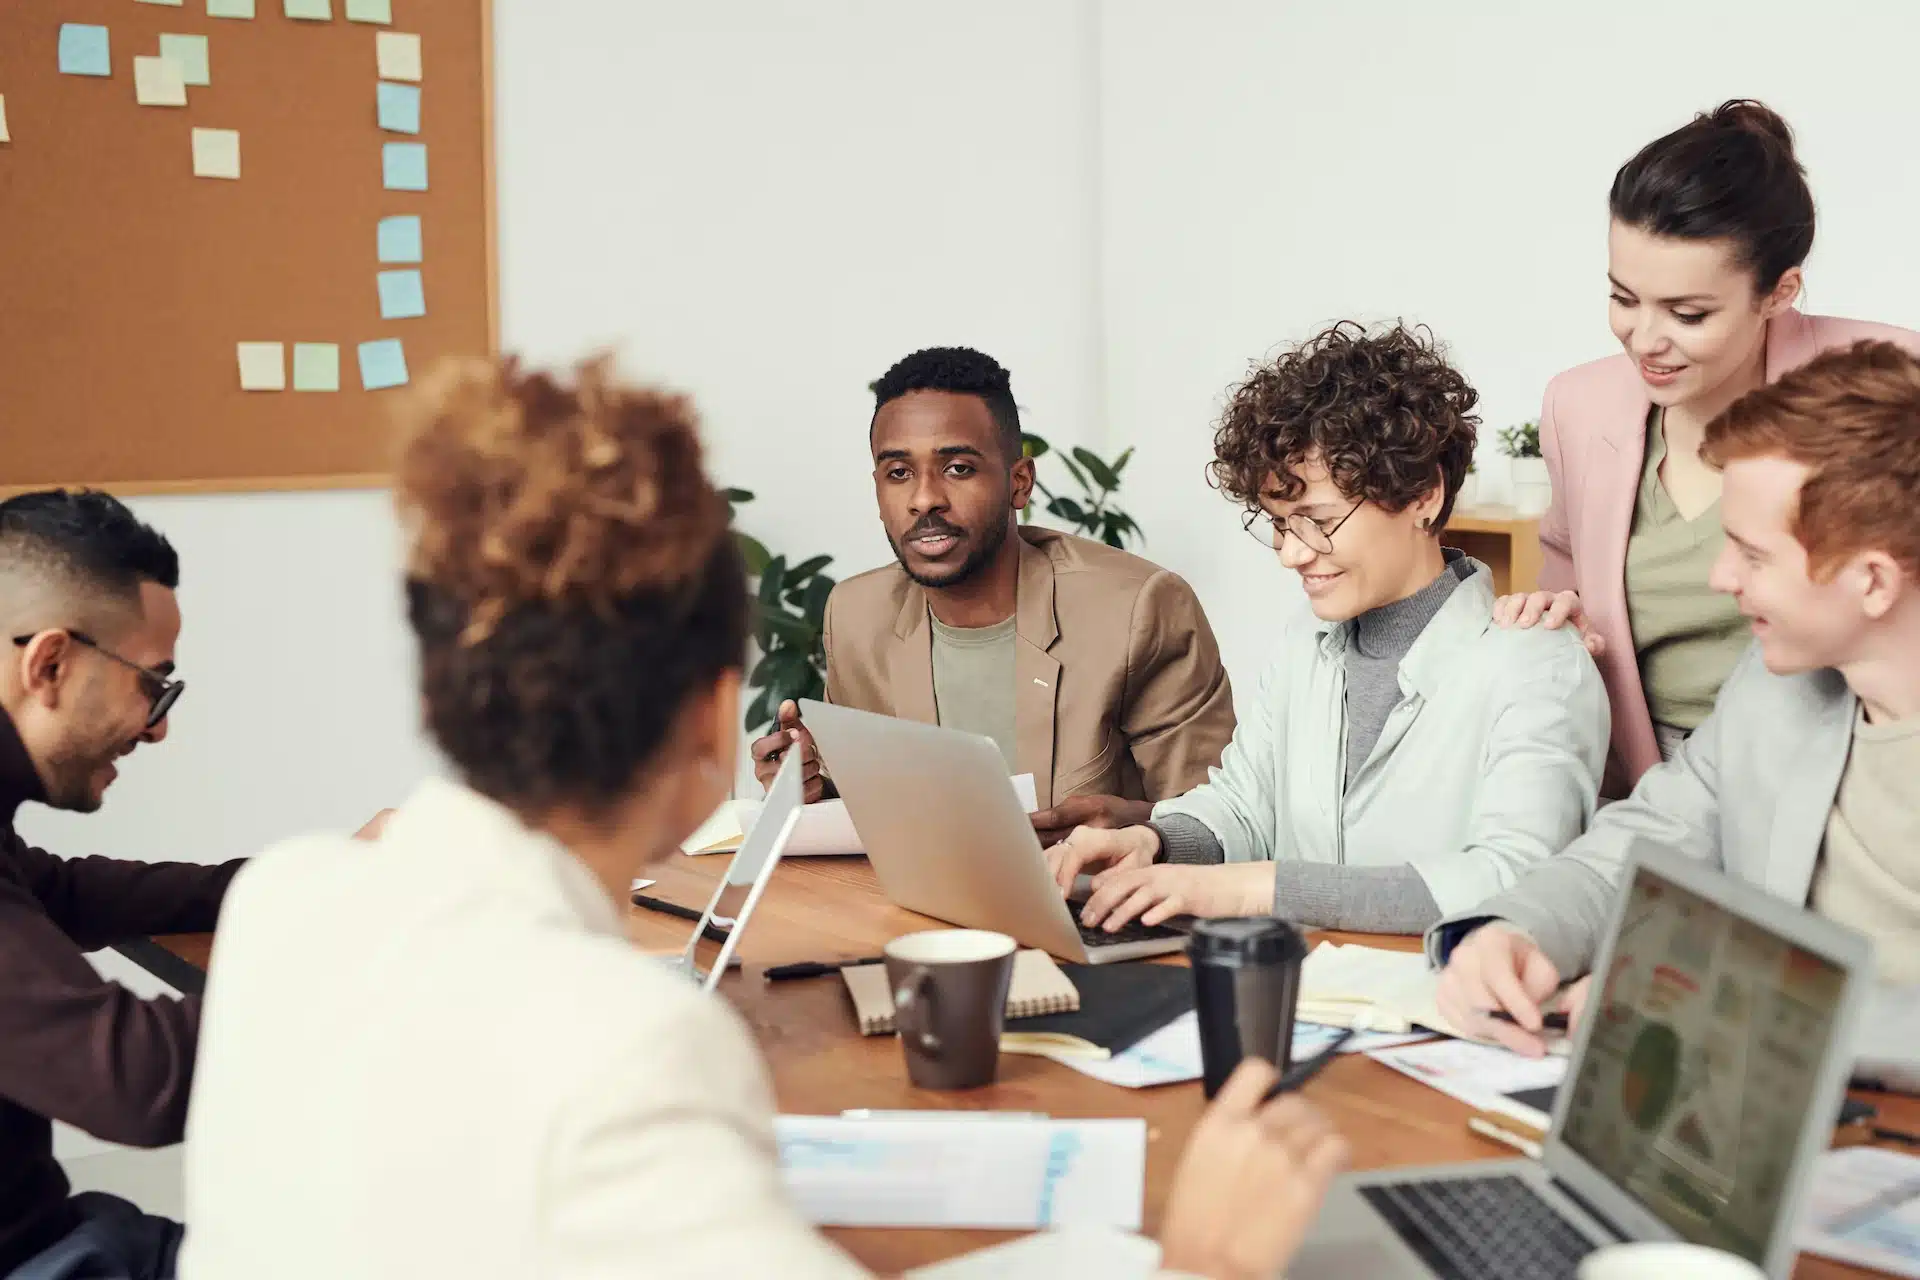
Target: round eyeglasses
1317, 535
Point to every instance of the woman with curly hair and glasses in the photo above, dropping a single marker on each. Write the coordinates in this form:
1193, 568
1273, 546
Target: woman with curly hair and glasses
1405, 757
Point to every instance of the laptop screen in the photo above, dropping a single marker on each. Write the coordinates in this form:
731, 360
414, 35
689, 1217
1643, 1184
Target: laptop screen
1709, 1038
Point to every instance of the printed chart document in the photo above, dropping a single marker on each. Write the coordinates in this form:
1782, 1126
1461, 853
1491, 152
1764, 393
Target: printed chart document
1481, 1075
825, 830
1864, 1208
964, 1170
1171, 1055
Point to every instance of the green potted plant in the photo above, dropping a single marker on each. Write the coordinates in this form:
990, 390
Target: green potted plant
790, 612
1531, 489
1094, 513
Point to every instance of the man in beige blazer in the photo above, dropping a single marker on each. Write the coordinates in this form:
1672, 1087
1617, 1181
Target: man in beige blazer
1094, 670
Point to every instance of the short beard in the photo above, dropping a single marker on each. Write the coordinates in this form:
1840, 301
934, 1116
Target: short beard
991, 540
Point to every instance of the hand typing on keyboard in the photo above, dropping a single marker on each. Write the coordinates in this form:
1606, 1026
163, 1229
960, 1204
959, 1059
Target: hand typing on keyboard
1250, 1181
1153, 895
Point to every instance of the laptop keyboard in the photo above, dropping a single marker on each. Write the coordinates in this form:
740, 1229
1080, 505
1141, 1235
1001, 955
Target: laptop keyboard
1132, 931
1481, 1228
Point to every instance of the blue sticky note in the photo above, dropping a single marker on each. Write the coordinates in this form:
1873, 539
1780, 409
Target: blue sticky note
400, 239
401, 296
382, 364
404, 166
399, 107
83, 50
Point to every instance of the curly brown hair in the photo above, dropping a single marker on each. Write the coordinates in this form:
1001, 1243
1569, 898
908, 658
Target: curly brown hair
1384, 412
570, 576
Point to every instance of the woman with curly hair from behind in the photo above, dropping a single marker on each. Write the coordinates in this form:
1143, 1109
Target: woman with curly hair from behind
1404, 758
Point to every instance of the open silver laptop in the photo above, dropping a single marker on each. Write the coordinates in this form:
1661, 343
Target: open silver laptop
1703, 1083
948, 837
750, 870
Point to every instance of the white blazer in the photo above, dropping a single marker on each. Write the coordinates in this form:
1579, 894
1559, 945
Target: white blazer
439, 1056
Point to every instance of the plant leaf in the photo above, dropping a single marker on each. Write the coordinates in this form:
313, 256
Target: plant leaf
1096, 468
806, 569
777, 624
737, 496
1034, 446
753, 553
772, 578
1079, 476
1120, 463
1067, 509
814, 607
759, 715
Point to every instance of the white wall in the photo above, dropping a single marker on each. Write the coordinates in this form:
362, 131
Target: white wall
1271, 167
767, 201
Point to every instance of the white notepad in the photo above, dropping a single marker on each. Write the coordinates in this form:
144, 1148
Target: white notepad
974, 1169
1395, 988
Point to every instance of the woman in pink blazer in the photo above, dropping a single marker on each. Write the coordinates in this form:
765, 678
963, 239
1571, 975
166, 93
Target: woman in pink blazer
1710, 227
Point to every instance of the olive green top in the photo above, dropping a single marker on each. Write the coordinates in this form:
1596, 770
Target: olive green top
973, 688
1687, 636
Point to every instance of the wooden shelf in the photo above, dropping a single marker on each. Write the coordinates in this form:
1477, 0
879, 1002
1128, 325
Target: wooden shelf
1502, 539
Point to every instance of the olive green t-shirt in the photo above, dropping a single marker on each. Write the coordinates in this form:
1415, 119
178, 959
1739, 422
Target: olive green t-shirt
1687, 635
973, 681
1869, 875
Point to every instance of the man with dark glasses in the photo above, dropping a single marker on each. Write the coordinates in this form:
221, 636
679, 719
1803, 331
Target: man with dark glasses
89, 620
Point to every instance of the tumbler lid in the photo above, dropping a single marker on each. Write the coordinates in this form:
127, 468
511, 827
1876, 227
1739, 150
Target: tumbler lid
1245, 941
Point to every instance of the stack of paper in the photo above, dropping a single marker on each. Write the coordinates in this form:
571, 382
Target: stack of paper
824, 829
1394, 988
964, 1169
1864, 1208
1171, 1055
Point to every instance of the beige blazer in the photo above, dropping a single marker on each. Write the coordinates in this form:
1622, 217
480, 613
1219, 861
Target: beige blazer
1593, 433
439, 1056
1121, 691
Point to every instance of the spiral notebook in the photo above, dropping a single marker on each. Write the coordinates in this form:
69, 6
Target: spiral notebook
1038, 988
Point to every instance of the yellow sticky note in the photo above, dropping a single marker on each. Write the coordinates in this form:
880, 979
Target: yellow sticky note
399, 55
4, 135
263, 366
157, 83
216, 153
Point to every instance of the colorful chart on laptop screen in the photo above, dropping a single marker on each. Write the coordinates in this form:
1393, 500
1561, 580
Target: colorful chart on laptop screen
1702, 1063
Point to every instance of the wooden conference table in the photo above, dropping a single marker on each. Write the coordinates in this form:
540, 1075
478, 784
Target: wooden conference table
832, 909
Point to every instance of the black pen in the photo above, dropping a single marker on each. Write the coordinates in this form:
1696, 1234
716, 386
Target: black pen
665, 908
816, 968
1548, 1021
1300, 1072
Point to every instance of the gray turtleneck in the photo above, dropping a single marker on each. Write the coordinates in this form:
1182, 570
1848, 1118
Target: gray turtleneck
1326, 895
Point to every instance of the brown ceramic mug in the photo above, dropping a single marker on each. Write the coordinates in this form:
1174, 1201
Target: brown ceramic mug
950, 1003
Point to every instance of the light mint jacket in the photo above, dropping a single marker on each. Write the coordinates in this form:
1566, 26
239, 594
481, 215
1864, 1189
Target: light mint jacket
1490, 765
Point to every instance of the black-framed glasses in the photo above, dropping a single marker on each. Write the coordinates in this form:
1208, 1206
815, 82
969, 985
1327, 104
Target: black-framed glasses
162, 690
1316, 534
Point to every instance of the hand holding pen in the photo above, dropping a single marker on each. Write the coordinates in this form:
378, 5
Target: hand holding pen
788, 734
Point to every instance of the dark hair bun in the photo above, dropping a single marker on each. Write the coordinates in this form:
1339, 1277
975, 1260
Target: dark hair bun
1753, 117
518, 488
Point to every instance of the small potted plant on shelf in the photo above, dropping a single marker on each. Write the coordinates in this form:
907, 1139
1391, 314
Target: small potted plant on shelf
1531, 489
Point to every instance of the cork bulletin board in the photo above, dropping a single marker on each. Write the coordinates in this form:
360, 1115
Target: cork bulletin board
133, 291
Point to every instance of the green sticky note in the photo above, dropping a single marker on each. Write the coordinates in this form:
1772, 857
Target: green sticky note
189, 53
370, 11
316, 366
398, 107
229, 8
84, 50
401, 295
310, 10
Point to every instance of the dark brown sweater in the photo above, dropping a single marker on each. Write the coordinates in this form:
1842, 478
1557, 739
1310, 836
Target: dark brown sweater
74, 1046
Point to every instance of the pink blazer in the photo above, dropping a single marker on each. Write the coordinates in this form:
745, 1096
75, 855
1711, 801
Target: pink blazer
1593, 433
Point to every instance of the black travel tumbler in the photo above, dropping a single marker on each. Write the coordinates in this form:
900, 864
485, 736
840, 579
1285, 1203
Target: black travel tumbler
1246, 985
